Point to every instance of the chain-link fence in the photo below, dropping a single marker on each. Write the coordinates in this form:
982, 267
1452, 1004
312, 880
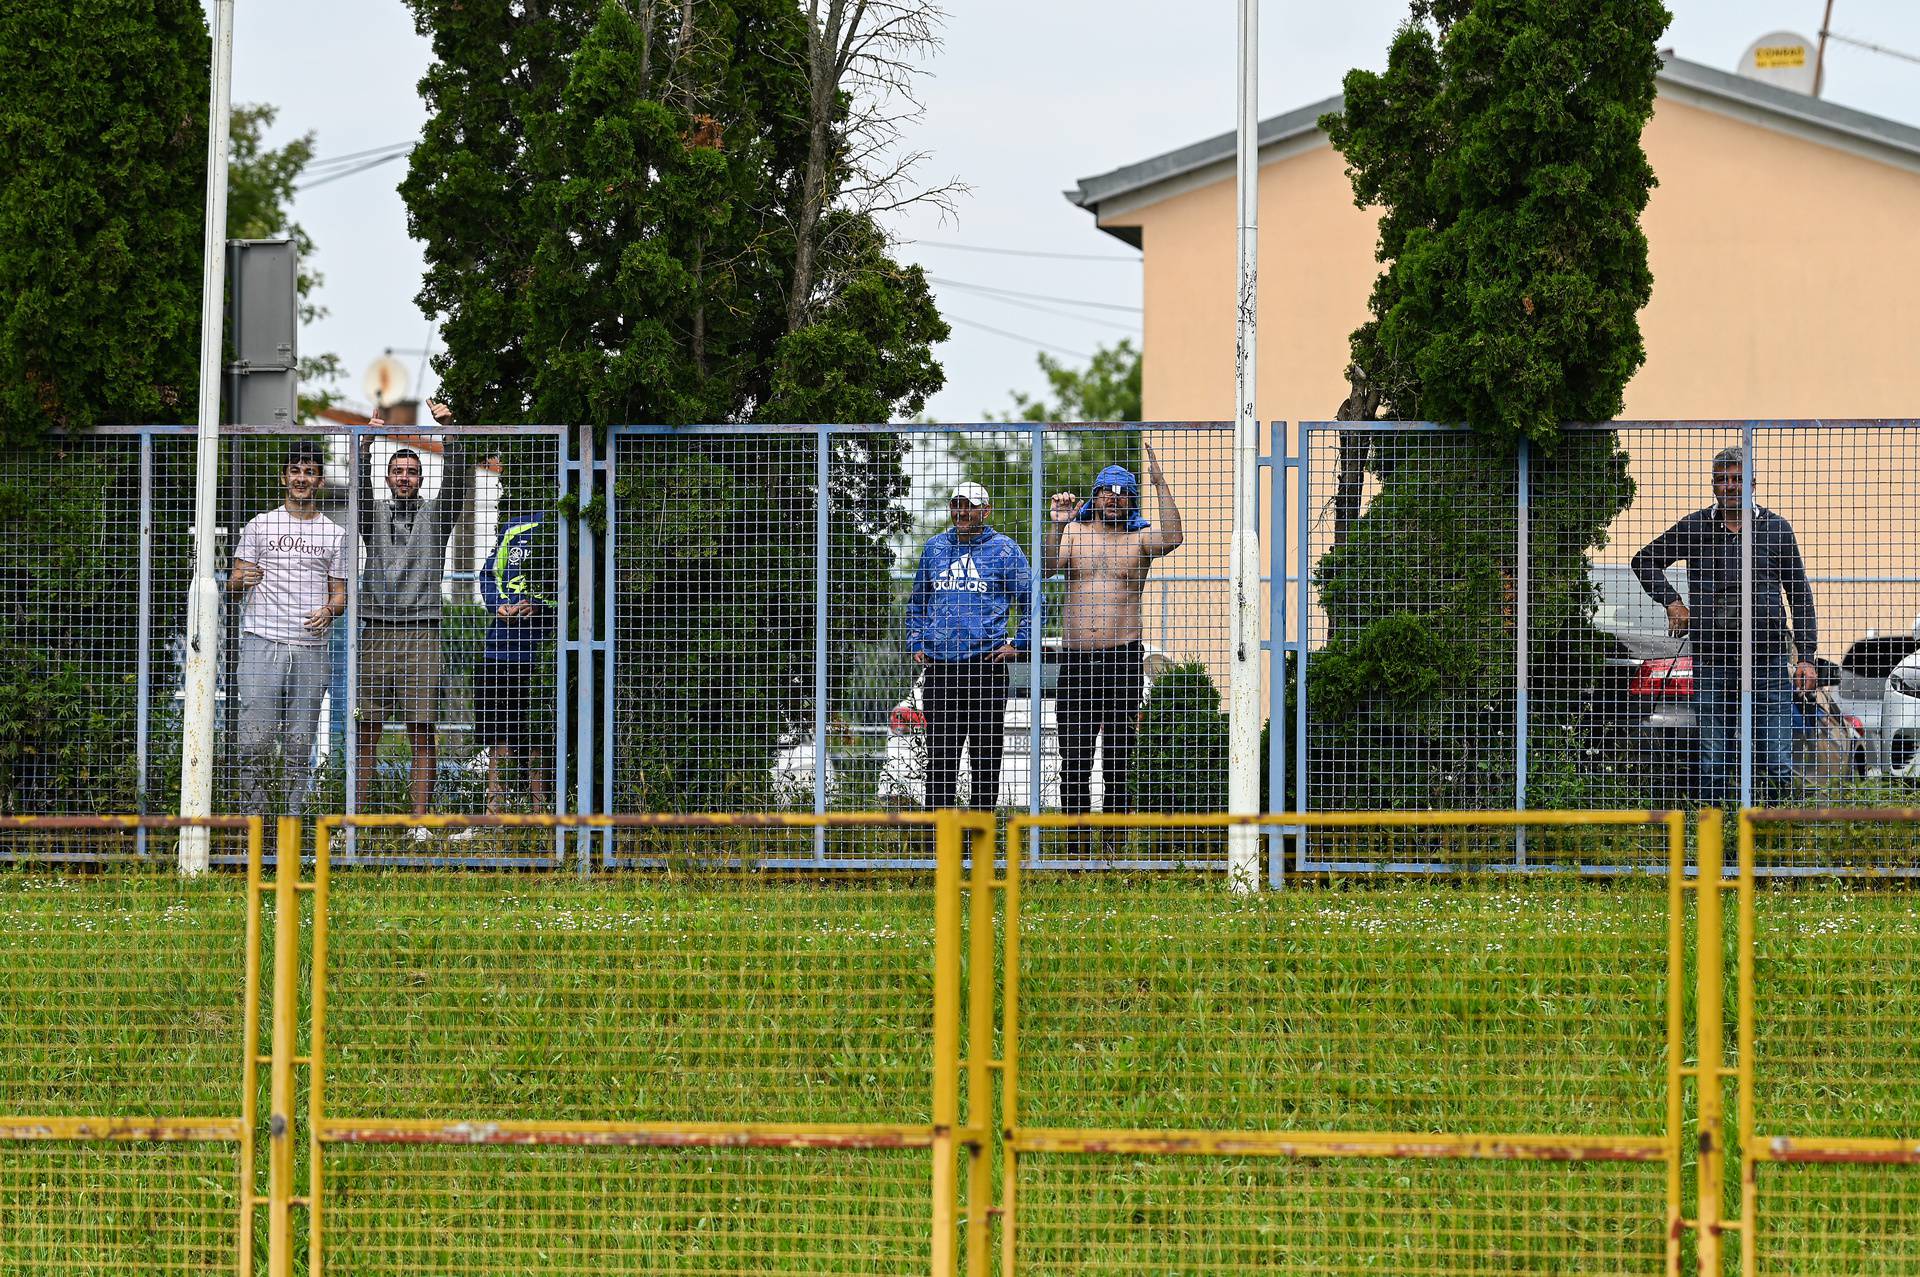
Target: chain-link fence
128, 1048
1478, 1074
701, 1068
390, 604
1827, 981
1636, 619
844, 618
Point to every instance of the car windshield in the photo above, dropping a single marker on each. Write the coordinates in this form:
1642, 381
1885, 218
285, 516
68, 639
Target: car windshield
1624, 605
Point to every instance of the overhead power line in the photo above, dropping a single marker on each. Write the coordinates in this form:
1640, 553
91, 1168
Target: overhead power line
1020, 337
1023, 252
361, 167
1133, 328
1032, 297
1874, 48
331, 160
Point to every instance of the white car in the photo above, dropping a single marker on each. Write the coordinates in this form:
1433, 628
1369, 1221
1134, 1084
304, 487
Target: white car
903, 778
1897, 738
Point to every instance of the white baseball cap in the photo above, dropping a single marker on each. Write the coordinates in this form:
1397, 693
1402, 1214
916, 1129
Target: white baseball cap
972, 492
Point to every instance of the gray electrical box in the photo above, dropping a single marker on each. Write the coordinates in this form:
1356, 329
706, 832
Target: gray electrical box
263, 322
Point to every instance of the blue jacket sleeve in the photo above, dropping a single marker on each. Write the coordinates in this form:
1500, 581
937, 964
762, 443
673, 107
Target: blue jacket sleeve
917, 610
489, 586
1019, 578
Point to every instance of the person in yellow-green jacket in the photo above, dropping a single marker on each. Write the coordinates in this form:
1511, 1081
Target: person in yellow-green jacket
509, 667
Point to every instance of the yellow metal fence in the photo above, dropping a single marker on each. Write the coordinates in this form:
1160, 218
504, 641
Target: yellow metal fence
129, 1048
717, 1066
1829, 1044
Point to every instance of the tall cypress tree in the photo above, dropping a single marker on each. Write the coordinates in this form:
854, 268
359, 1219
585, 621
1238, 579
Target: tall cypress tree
103, 137
1502, 148
607, 194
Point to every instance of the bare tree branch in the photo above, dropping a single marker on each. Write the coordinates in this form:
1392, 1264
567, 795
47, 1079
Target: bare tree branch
863, 60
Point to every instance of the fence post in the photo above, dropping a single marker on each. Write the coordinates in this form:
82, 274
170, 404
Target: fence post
1010, 1055
1303, 571
1709, 1008
143, 639
822, 582
980, 885
1523, 587
1036, 665
350, 746
1746, 614
586, 623
286, 941
203, 600
1676, 823
566, 568
1744, 1047
1279, 467
946, 1033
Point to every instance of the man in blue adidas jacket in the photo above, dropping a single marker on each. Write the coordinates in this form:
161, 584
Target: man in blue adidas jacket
970, 577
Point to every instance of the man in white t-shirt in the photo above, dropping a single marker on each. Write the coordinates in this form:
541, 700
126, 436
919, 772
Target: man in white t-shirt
292, 564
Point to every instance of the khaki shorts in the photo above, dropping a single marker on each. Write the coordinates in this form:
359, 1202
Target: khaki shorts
399, 673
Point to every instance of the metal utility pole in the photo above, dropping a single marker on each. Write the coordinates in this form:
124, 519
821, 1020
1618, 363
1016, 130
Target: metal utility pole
1243, 702
203, 604
1820, 57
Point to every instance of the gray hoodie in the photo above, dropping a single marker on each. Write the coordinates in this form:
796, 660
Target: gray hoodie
406, 543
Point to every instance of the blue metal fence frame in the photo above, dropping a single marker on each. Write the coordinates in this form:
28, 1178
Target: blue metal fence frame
1750, 431
824, 435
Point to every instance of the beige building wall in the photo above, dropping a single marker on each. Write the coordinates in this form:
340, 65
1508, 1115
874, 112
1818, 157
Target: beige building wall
1786, 285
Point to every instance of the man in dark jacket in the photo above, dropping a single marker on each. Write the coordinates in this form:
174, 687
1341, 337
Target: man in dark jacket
970, 578
510, 665
401, 604
1709, 541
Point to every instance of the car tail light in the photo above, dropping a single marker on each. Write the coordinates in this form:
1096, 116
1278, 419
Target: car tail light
1859, 727
1671, 676
905, 719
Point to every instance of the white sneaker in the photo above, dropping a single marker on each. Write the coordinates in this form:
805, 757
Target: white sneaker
420, 833
463, 835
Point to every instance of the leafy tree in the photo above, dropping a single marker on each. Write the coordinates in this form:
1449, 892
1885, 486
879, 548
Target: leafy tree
608, 194
102, 202
103, 110
1502, 148
1107, 389
102, 172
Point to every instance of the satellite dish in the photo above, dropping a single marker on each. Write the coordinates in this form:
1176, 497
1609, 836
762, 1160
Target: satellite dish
1783, 59
386, 380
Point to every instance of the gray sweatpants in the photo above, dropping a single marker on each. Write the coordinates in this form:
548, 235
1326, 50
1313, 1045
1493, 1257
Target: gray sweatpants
280, 690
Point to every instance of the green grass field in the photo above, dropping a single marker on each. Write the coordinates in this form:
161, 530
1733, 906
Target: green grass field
1462, 1005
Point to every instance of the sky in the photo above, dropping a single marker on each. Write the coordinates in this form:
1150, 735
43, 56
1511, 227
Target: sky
1024, 98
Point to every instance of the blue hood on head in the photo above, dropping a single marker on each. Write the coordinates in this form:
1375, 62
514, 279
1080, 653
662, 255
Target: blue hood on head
1122, 478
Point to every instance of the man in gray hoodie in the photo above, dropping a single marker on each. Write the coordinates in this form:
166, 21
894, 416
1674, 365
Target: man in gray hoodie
401, 603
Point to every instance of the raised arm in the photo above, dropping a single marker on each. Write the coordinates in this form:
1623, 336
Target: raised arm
1167, 535
456, 473
1053, 554
366, 477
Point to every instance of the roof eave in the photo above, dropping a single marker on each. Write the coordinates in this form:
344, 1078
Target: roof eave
1882, 136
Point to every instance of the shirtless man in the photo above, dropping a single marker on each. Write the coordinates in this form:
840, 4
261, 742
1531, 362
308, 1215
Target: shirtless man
1105, 547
